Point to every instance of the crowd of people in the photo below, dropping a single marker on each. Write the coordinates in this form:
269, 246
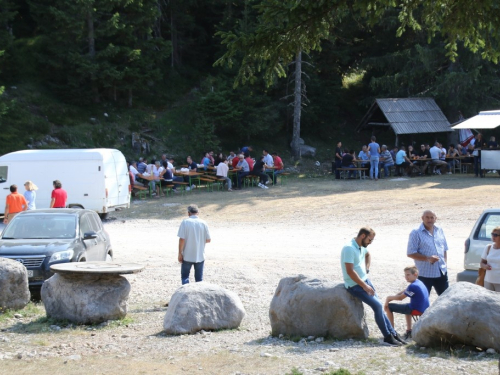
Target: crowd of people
16, 202
158, 173
408, 161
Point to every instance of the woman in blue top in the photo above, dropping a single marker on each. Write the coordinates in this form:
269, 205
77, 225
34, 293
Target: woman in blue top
374, 149
30, 194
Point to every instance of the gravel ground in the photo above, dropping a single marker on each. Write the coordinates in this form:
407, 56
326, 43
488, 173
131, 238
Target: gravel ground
259, 237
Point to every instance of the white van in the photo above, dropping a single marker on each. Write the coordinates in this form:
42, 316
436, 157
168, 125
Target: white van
95, 179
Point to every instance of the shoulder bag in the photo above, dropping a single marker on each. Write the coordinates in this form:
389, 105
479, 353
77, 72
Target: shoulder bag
481, 272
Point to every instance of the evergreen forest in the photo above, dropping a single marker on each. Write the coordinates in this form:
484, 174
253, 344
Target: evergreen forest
186, 76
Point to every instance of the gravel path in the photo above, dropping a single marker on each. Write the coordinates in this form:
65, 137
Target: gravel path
259, 237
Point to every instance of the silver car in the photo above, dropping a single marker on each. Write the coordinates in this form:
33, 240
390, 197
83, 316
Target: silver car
476, 243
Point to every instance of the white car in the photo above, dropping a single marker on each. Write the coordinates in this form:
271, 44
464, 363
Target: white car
477, 241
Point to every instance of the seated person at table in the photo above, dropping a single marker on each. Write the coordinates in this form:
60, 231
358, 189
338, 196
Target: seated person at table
402, 161
278, 164
218, 159
424, 154
230, 157
364, 155
222, 170
141, 167
419, 299
439, 165
157, 171
136, 174
249, 160
453, 153
386, 160
268, 160
394, 152
348, 160
206, 161
211, 157
243, 169
258, 170
192, 166
169, 178
492, 143
235, 161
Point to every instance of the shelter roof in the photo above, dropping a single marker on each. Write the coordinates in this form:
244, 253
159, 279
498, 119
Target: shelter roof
484, 120
406, 116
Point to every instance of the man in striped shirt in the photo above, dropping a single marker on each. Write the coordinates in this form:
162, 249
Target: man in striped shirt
427, 247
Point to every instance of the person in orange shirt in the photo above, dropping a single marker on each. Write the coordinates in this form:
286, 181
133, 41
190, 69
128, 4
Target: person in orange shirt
14, 203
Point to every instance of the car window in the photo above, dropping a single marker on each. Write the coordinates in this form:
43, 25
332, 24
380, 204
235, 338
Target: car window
40, 226
85, 226
3, 173
95, 222
491, 221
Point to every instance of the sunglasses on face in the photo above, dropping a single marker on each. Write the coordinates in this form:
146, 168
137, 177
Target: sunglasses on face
495, 234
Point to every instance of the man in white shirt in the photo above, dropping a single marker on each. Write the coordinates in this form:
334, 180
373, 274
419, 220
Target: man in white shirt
268, 159
439, 165
222, 170
193, 235
135, 172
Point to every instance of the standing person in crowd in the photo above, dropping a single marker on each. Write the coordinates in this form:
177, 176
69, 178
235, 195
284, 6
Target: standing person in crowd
59, 196
355, 263
338, 160
193, 235
14, 203
364, 156
374, 149
30, 194
279, 166
427, 246
478, 144
490, 261
386, 160
245, 149
243, 169
222, 170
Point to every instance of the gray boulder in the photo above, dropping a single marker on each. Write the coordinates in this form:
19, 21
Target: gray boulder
14, 291
86, 299
465, 314
198, 306
306, 150
304, 306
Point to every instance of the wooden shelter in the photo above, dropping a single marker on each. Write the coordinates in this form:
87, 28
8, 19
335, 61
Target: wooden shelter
405, 116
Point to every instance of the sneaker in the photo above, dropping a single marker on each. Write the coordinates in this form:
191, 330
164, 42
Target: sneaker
265, 187
267, 182
175, 191
229, 189
438, 172
398, 338
188, 188
193, 186
390, 340
449, 173
261, 186
407, 335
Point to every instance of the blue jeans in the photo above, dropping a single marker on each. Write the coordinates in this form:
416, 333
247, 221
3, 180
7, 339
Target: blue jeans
241, 175
186, 268
386, 167
381, 319
374, 166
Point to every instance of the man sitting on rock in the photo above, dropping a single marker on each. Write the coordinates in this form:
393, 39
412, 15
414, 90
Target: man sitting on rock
355, 262
419, 300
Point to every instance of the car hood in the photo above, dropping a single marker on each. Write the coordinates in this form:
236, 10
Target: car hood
37, 246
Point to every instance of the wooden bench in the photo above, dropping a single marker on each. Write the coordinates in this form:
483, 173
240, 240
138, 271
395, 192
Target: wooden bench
464, 167
284, 178
344, 172
209, 182
141, 191
250, 180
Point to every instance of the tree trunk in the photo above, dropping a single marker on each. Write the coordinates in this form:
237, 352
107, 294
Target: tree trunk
297, 106
130, 98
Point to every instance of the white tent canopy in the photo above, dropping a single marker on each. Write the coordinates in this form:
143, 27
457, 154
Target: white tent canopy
484, 120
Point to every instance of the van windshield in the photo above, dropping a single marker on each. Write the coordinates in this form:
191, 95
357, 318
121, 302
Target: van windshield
3, 173
40, 226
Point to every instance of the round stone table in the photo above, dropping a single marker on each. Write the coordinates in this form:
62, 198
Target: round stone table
88, 292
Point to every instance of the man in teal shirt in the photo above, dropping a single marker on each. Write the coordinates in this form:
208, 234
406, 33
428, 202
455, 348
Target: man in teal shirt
355, 262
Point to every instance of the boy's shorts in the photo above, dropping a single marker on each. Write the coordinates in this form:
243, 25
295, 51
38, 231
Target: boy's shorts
400, 308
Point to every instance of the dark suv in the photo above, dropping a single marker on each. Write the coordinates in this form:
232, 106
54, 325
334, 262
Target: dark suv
40, 238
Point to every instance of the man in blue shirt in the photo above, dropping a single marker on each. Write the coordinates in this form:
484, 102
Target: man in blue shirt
427, 246
419, 300
355, 263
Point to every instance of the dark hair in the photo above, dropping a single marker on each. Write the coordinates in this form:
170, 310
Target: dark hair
373, 138
246, 154
452, 145
165, 164
265, 150
274, 153
366, 231
223, 159
351, 151
13, 188
57, 184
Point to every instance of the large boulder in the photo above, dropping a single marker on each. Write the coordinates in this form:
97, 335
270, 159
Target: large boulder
14, 291
465, 314
86, 299
306, 150
304, 306
198, 306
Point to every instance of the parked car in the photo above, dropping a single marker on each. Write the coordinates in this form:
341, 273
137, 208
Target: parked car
476, 242
40, 238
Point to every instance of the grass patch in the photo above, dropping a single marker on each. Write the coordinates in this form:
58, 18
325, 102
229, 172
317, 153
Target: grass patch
126, 321
31, 310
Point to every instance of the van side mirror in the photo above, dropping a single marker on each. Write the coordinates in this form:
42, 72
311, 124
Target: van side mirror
89, 235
